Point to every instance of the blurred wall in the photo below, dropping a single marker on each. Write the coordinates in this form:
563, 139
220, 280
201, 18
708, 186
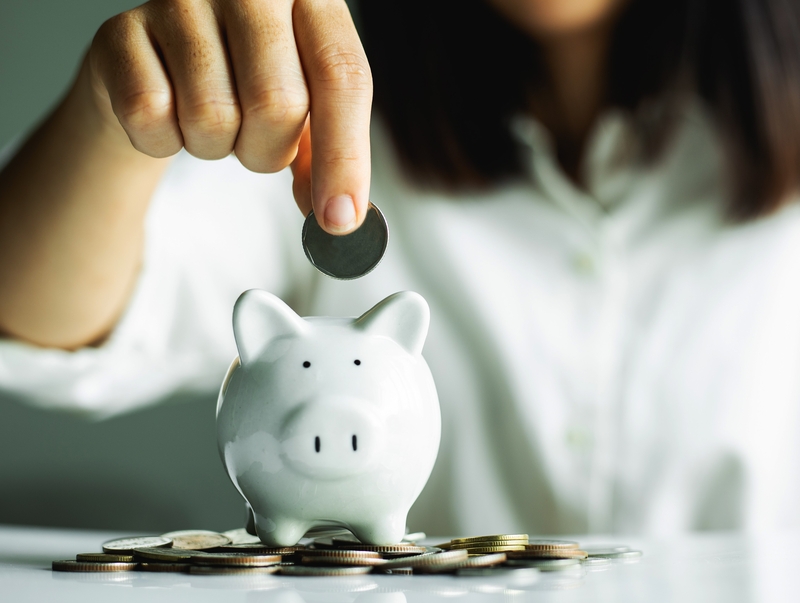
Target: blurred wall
154, 470
41, 45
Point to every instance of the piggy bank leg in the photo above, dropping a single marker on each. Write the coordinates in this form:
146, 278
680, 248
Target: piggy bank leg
280, 531
386, 530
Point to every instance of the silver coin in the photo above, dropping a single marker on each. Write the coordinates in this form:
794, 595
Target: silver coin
606, 548
209, 570
546, 565
414, 536
196, 540
126, 545
169, 555
313, 570
342, 560
611, 554
162, 567
483, 561
237, 559
596, 563
530, 574
431, 563
400, 571
241, 536
348, 256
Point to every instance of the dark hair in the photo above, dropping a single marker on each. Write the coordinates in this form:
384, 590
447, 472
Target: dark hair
450, 74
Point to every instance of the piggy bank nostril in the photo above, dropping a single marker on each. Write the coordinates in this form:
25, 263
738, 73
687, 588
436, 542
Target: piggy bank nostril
317, 443
355, 443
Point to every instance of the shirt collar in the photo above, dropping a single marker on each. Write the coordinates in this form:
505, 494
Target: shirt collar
616, 178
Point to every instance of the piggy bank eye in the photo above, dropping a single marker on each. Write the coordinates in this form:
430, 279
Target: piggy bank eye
357, 362
306, 364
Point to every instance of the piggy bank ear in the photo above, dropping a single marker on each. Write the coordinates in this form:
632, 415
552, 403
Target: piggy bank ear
259, 318
404, 317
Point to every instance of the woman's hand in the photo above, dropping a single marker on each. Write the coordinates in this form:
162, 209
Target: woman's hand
240, 76
254, 77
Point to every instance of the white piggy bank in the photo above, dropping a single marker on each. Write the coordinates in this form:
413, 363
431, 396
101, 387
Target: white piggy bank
329, 421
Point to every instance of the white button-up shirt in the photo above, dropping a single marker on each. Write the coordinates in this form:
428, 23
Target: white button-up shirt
615, 358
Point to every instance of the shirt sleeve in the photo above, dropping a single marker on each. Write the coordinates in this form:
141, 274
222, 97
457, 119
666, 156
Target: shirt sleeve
213, 230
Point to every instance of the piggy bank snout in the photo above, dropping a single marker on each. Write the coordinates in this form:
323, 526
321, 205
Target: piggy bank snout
330, 440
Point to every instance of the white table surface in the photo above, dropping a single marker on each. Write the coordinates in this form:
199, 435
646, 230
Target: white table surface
705, 567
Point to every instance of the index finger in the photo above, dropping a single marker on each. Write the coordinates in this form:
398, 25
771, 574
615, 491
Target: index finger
340, 86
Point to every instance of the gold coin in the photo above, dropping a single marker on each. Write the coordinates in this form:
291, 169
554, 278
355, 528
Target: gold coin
552, 544
91, 566
237, 559
491, 538
488, 543
259, 549
313, 570
493, 549
355, 545
104, 558
177, 568
393, 549
337, 552
210, 570
196, 540
126, 545
341, 560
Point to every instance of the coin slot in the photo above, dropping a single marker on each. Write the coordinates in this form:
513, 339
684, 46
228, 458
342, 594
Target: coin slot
306, 364
317, 443
355, 443
357, 362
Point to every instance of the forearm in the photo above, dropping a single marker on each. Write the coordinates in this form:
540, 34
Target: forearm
72, 206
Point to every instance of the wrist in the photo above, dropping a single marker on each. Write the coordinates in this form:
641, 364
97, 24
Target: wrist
88, 108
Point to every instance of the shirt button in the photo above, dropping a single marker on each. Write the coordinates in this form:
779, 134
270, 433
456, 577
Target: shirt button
584, 264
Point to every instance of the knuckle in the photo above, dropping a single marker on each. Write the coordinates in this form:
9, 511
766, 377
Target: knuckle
338, 156
118, 29
280, 105
211, 118
157, 148
344, 69
144, 111
269, 164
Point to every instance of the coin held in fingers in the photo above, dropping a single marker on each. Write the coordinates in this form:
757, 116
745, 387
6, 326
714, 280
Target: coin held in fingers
349, 256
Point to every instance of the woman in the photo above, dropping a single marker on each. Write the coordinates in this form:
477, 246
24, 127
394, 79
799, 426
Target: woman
593, 196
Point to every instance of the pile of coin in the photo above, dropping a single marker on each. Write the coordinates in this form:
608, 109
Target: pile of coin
236, 552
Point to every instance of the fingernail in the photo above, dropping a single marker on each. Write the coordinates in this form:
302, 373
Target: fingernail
340, 214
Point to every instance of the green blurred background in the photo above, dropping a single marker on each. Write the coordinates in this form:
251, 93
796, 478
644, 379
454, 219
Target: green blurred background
41, 45
153, 470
